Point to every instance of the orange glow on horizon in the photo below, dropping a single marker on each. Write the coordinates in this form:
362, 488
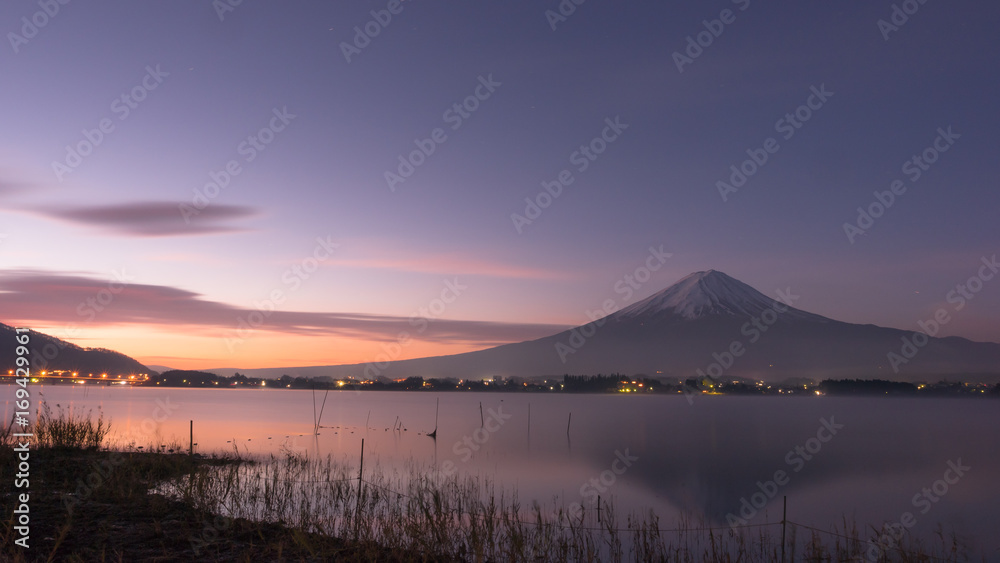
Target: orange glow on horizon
180, 348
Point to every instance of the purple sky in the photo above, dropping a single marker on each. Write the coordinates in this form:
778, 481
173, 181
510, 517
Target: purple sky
198, 86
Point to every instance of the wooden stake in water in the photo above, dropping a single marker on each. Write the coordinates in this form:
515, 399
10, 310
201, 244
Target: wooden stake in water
568, 423
482, 421
191, 447
357, 508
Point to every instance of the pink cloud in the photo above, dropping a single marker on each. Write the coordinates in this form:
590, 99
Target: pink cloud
67, 298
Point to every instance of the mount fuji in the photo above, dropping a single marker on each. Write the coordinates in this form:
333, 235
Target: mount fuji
705, 318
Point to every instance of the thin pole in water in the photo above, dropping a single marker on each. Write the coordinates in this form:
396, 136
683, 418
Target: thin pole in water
320, 418
367, 419
784, 518
568, 422
357, 509
482, 421
191, 448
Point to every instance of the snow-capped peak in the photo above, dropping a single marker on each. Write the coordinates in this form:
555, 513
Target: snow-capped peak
702, 294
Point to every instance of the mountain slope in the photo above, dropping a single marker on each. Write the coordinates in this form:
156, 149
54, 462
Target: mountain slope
50, 353
705, 319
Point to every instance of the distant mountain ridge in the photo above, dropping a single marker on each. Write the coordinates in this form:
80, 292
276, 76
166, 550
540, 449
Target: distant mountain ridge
696, 324
49, 353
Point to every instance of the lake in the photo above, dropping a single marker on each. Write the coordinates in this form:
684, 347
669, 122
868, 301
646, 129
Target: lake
870, 459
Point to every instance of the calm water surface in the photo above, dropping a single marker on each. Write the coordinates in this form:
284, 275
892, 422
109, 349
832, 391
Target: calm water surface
700, 459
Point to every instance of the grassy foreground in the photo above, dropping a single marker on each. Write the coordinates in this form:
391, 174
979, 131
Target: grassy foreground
91, 503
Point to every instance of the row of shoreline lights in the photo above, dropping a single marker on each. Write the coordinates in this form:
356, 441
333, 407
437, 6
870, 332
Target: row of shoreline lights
59, 373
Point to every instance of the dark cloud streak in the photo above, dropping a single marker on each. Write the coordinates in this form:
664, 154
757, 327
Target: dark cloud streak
151, 218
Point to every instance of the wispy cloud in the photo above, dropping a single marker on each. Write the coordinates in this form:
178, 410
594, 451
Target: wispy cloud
8, 188
448, 264
404, 256
150, 218
55, 298
11, 185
